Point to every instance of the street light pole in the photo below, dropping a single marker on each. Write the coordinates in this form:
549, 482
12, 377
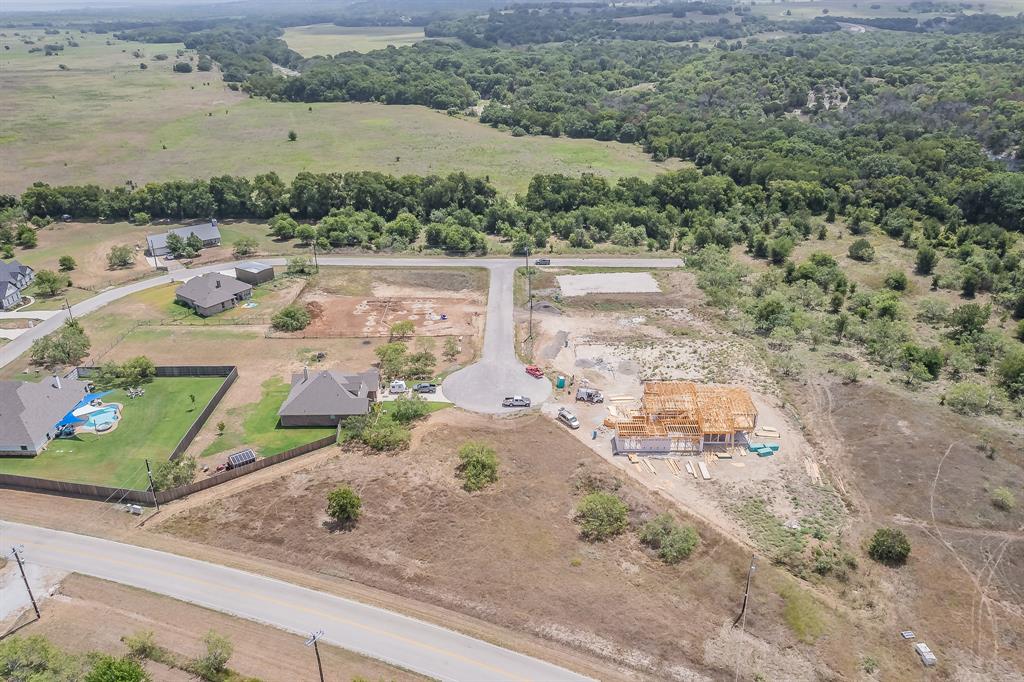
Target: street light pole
313, 639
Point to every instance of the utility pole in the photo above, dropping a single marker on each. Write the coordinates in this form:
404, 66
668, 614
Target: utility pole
746, 593
21, 567
68, 306
152, 486
313, 638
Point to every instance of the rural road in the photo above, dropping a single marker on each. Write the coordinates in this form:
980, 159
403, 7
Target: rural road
415, 645
479, 387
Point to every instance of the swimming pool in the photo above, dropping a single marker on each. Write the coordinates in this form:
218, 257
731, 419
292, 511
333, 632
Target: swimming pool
103, 417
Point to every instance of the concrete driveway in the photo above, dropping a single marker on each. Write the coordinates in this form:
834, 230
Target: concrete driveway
479, 387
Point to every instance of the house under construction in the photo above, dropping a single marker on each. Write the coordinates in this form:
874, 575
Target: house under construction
679, 417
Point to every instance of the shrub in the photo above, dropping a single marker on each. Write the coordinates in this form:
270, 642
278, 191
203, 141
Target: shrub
66, 263
66, 346
299, 266
896, 281
141, 218
142, 645
862, 250
889, 546
292, 136
290, 318
386, 434
50, 283
212, 665
110, 669
478, 466
1011, 372
1004, 499
601, 516
182, 67
26, 238
120, 257
245, 246
927, 257
344, 505
408, 410
969, 398
174, 473
672, 541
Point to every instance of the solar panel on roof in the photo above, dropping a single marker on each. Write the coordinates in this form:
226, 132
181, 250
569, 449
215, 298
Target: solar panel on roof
241, 458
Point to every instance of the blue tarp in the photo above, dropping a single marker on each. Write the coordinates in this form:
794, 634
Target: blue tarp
70, 418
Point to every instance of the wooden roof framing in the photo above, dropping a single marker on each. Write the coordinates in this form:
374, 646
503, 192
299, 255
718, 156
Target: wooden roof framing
682, 408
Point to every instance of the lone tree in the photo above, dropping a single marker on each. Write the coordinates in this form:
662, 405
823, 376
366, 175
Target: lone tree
889, 546
292, 136
50, 282
66, 263
478, 466
402, 330
245, 246
120, 257
862, 250
290, 318
601, 516
344, 505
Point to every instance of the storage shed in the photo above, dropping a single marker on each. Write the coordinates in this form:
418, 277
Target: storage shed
240, 459
254, 273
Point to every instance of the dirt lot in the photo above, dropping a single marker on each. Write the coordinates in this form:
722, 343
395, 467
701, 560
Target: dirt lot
902, 461
446, 303
511, 554
71, 616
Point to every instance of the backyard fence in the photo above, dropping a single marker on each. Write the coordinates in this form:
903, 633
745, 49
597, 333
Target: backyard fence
123, 495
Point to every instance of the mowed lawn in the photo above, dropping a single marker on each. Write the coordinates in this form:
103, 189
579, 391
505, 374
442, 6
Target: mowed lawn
256, 426
150, 427
328, 39
106, 121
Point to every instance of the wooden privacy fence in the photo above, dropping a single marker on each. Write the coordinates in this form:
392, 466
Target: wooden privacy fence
121, 495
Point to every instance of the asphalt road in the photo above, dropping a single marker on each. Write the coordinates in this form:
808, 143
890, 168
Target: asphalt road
479, 387
396, 639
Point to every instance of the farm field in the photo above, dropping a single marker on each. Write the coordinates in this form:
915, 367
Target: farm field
150, 427
329, 39
106, 121
808, 9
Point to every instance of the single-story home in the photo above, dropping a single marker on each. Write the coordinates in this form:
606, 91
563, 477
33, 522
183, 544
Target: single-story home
29, 413
209, 233
254, 273
326, 397
212, 293
14, 278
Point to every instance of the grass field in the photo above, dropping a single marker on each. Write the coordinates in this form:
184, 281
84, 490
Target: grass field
862, 9
106, 121
150, 427
328, 39
256, 426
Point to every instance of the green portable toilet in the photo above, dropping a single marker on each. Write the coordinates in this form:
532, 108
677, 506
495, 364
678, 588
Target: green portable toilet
561, 382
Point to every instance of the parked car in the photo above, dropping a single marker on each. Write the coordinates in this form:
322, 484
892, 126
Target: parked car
589, 395
425, 388
515, 401
542, 261
568, 418
535, 371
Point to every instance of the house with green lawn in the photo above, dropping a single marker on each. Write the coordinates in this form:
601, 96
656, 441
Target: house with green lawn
30, 412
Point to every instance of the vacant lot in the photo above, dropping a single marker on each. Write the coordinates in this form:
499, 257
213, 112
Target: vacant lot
150, 427
512, 555
106, 121
70, 621
907, 463
328, 39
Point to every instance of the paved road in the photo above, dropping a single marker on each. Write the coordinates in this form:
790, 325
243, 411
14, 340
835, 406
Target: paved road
412, 644
479, 387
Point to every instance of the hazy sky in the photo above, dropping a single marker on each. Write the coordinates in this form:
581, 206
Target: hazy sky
48, 5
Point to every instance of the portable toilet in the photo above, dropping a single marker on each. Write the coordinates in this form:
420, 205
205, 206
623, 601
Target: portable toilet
560, 382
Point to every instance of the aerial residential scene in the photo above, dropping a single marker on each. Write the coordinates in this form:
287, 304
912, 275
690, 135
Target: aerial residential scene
487, 340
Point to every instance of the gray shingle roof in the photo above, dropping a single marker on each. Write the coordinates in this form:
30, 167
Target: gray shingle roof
28, 410
204, 291
12, 272
328, 392
205, 231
